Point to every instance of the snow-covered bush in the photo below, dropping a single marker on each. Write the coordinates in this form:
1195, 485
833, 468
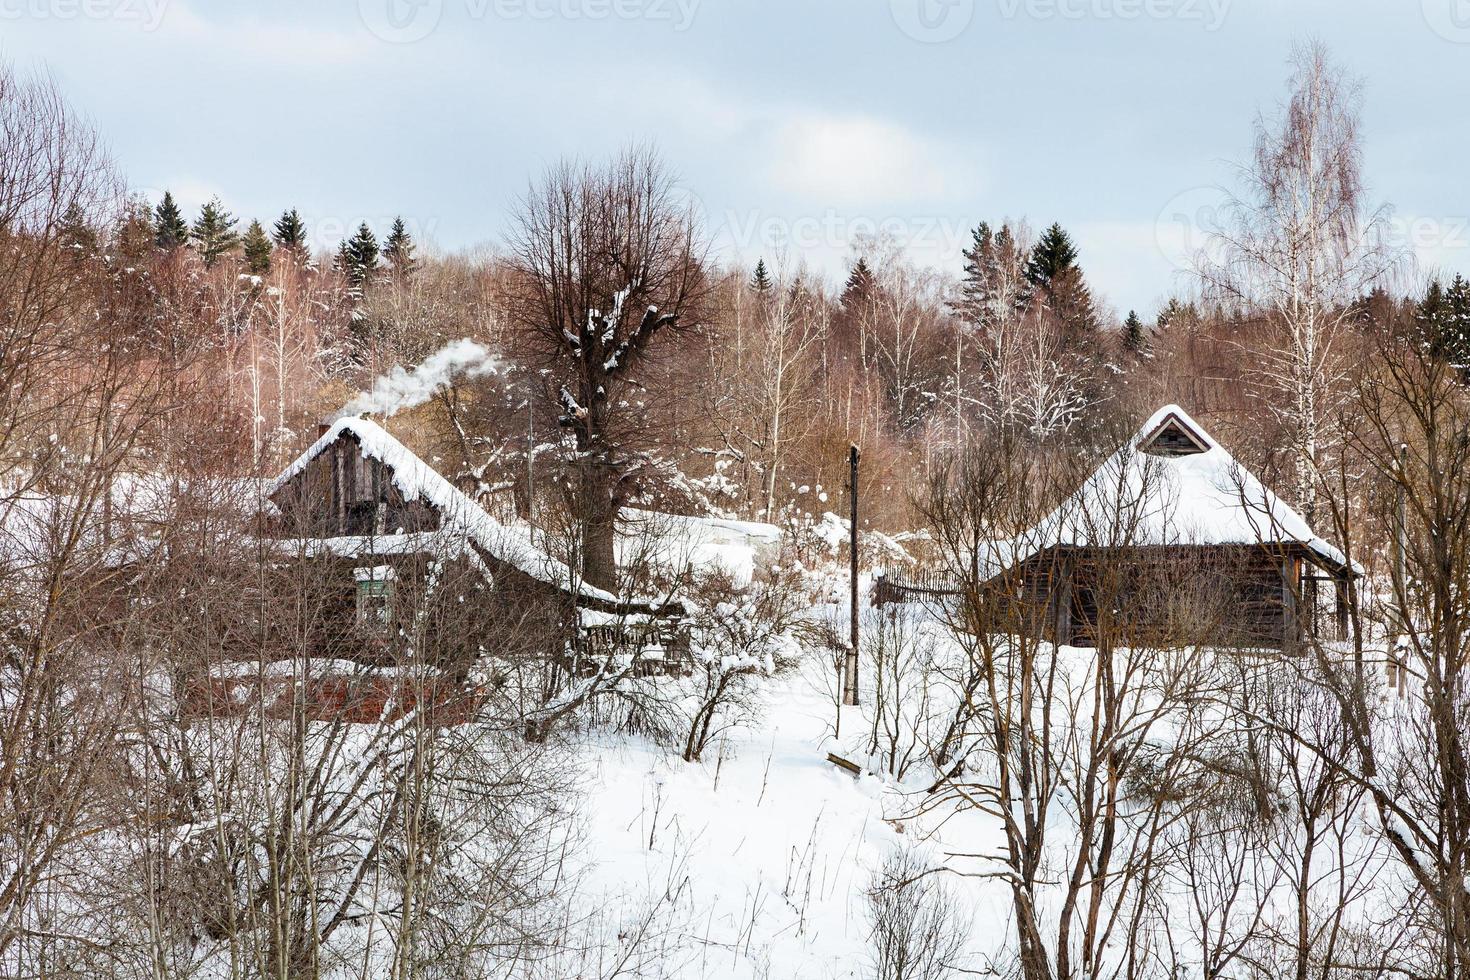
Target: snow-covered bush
738, 637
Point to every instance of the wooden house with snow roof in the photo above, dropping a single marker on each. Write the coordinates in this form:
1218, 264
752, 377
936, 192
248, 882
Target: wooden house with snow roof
1171, 539
1169, 542
376, 524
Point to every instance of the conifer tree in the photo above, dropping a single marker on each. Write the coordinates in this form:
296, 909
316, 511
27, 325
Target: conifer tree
75, 233
1173, 314
760, 280
1053, 255
975, 282
992, 288
363, 247
1054, 272
342, 261
1454, 329
398, 249
257, 247
214, 232
1071, 300
1135, 335
357, 257
170, 229
290, 232
1430, 314
859, 289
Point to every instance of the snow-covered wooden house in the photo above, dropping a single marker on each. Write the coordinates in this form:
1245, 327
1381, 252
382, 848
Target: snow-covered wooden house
373, 520
1171, 542
1172, 539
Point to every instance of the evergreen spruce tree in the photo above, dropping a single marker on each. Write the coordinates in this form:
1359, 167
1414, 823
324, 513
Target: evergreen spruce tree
859, 289
1053, 255
975, 283
1053, 271
760, 280
289, 232
992, 289
1174, 314
1430, 315
75, 234
1454, 328
257, 247
342, 261
1135, 335
214, 232
1377, 309
357, 257
170, 229
1071, 300
398, 249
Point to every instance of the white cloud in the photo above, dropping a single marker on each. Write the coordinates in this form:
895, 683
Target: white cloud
280, 42
845, 160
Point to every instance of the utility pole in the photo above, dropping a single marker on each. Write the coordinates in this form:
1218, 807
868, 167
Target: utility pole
1397, 660
530, 462
850, 673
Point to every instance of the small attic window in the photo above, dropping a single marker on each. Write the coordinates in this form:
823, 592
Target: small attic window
1173, 438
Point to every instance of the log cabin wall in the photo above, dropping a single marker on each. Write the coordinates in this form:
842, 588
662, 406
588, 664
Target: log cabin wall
342, 492
448, 609
1227, 596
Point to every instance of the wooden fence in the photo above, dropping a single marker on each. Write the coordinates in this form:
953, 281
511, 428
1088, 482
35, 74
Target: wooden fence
920, 585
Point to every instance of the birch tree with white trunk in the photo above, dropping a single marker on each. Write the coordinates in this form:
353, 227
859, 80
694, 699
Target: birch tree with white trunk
1298, 246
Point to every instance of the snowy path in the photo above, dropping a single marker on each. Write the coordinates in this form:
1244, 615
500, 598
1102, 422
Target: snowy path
777, 845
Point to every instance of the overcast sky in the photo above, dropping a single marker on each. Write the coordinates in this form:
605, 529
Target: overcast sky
803, 121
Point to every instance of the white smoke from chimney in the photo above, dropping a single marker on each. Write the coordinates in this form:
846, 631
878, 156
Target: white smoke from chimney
400, 389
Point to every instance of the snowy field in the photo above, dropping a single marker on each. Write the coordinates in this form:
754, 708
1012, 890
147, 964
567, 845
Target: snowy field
770, 846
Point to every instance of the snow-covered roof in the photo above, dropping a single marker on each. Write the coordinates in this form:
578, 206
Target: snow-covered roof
417, 480
1171, 484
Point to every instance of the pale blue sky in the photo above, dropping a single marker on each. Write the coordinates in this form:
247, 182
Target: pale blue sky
808, 119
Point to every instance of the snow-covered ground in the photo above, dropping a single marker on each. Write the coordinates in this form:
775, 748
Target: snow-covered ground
770, 847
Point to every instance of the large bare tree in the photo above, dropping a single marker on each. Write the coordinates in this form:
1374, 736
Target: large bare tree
607, 262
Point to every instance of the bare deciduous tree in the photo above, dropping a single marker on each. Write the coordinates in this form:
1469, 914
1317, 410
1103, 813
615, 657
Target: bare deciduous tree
607, 262
1299, 247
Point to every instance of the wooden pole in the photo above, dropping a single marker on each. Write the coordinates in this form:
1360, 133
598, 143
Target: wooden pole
850, 674
530, 465
1396, 665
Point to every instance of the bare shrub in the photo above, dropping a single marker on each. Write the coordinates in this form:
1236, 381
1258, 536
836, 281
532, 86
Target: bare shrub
917, 929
